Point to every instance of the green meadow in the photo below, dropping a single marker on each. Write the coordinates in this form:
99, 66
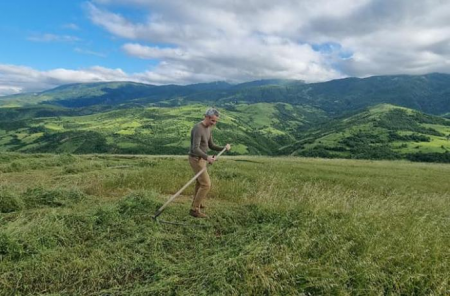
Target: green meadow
82, 225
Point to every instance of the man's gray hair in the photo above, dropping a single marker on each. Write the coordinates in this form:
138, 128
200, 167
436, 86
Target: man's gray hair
212, 112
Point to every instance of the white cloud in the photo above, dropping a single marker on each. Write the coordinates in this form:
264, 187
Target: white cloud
218, 38
116, 24
89, 52
20, 79
52, 38
314, 40
9, 90
147, 52
71, 26
15, 79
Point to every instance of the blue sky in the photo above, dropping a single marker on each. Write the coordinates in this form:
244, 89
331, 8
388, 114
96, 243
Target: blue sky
69, 38
48, 43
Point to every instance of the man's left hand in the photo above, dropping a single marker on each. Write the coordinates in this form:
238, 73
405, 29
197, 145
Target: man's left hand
228, 147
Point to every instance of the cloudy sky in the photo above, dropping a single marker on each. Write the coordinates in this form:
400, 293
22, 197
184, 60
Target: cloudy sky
47, 43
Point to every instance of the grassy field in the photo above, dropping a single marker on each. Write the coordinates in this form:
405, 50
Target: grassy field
72, 225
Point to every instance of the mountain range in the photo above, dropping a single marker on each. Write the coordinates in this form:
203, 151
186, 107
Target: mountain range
380, 117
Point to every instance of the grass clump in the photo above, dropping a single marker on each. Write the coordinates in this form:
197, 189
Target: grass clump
9, 248
138, 203
10, 201
41, 197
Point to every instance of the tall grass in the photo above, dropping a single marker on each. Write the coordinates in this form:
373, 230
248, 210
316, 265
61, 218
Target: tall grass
278, 226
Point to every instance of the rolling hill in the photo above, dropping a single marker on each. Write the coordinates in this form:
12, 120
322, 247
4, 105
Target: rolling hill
254, 129
381, 132
382, 117
426, 93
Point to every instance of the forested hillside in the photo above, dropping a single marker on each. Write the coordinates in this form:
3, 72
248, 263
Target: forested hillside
383, 117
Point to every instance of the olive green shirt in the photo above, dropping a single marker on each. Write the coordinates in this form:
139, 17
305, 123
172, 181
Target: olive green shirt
201, 140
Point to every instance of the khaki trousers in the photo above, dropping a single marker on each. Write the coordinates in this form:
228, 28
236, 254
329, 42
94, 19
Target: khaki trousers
203, 182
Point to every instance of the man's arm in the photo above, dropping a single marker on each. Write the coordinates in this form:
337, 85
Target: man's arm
196, 139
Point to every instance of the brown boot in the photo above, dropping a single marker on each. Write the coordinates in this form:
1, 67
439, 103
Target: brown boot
197, 214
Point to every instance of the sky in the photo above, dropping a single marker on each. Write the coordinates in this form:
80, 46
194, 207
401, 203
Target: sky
48, 43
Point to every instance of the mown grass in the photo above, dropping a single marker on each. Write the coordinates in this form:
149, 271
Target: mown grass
278, 226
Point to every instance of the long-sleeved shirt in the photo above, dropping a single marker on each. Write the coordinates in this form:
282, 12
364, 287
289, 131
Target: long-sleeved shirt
201, 140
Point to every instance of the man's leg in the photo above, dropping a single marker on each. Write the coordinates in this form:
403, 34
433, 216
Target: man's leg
197, 186
204, 187
203, 184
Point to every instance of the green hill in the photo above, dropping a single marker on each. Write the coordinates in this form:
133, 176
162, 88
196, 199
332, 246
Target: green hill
89, 93
253, 129
130, 93
380, 132
350, 118
426, 93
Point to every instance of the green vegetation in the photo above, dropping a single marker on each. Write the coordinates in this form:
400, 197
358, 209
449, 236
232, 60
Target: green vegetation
380, 132
372, 118
425, 93
280, 226
257, 129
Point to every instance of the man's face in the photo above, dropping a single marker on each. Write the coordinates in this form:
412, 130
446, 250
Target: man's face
211, 120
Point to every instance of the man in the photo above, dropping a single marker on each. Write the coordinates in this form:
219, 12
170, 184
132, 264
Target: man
201, 140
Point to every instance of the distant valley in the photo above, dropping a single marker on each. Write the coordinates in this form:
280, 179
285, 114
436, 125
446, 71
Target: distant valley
383, 117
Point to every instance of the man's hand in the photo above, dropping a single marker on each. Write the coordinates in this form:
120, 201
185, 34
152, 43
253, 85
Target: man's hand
211, 159
228, 147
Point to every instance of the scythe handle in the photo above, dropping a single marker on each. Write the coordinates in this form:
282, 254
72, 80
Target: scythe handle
161, 209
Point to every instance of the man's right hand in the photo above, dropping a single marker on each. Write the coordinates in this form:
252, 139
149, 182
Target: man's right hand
211, 159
